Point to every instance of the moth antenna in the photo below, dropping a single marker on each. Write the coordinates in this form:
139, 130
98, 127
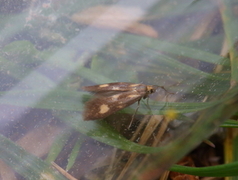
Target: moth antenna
167, 95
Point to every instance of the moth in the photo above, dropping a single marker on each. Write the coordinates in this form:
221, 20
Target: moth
112, 97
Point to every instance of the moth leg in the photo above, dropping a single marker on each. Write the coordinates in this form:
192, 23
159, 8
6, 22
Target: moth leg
147, 104
134, 114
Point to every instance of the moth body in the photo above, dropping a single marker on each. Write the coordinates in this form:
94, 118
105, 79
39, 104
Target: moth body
112, 97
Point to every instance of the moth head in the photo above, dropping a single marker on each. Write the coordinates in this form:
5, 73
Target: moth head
151, 89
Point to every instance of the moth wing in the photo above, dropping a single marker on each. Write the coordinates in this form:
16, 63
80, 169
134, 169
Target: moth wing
100, 107
117, 87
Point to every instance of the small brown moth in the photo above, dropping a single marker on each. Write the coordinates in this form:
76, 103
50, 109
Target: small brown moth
111, 97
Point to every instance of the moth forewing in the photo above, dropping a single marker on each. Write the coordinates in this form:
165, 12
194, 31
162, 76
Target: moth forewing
100, 107
119, 86
113, 97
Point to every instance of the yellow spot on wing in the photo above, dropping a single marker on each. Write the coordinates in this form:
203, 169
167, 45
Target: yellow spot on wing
115, 97
133, 85
103, 109
133, 96
115, 88
104, 85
